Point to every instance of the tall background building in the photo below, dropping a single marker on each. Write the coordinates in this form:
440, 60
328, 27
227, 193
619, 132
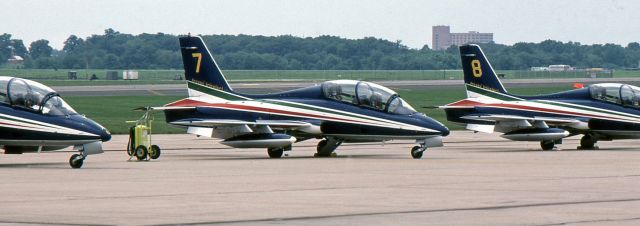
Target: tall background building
442, 37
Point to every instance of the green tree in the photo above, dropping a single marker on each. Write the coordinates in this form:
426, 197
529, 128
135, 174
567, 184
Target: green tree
40, 49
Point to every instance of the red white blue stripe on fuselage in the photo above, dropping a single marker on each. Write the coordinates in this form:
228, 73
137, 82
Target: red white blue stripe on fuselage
314, 111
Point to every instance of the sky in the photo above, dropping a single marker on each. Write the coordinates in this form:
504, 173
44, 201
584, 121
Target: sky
586, 21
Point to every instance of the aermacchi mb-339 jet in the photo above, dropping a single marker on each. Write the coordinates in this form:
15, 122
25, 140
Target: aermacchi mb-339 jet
336, 112
34, 118
606, 111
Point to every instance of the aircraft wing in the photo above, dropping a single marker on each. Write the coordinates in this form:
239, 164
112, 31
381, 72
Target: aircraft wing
508, 123
496, 118
232, 122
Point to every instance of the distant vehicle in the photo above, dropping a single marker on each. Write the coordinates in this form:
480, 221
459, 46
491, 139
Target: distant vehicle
336, 112
560, 67
606, 111
34, 118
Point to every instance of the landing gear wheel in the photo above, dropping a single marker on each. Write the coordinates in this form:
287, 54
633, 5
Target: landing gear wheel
587, 142
415, 153
154, 152
76, 161
275, 152
141, 152
321, 145
547, 145
326, 148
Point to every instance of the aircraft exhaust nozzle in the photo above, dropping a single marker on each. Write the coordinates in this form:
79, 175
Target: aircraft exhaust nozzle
266, 140
536, 134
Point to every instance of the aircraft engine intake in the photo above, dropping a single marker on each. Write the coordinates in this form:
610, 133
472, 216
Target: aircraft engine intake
265, 140
536, 134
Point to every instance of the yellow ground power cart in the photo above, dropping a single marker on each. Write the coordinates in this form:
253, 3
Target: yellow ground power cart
140, 144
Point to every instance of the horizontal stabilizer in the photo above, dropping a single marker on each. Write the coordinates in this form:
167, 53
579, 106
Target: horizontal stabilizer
160, 108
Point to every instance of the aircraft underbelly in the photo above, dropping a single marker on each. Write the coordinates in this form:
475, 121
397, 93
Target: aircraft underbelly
20, 137
363, 131
41, 142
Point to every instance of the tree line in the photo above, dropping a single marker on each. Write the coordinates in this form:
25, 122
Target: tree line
115, 50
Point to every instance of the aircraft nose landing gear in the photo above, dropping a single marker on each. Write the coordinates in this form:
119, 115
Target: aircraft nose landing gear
76, 161
93, 148
416, 151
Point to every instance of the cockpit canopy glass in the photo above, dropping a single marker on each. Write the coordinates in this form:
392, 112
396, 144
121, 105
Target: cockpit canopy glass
400, 107
366, 94
622, 94
33, 96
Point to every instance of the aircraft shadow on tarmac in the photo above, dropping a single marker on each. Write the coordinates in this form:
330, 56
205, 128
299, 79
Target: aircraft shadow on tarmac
48, 165
617, 149
244, 157
33, 165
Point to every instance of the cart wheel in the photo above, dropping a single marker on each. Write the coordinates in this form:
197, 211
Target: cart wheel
141, 152
154, 152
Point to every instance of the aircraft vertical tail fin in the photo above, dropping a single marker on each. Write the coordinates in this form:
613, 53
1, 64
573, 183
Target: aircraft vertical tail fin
201, 71
478, 72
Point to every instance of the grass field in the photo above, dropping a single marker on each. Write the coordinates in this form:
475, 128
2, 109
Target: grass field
113, 111
59, 77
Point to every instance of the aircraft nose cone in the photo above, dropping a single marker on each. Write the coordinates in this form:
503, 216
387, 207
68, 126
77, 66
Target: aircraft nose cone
433, 124
93, 127
105, 135
444, 130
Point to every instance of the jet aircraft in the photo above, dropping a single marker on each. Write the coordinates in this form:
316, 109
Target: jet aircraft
34, 118
336, 112
605, 111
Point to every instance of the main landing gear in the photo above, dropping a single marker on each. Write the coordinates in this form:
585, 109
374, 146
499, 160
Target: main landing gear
327, 147
588, 142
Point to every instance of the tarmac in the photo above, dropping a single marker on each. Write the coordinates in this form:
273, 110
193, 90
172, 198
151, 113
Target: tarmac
476, 179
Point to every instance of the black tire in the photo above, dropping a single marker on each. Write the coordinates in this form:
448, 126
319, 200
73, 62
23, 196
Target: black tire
321, 145
416, 155
141, 152
275, 153
76, 161
130, 151
587, 142
130, 147
154, 152
547, 145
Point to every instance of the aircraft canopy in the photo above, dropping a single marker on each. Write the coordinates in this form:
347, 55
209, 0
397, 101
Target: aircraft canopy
617, 93
366, 94
33, 96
